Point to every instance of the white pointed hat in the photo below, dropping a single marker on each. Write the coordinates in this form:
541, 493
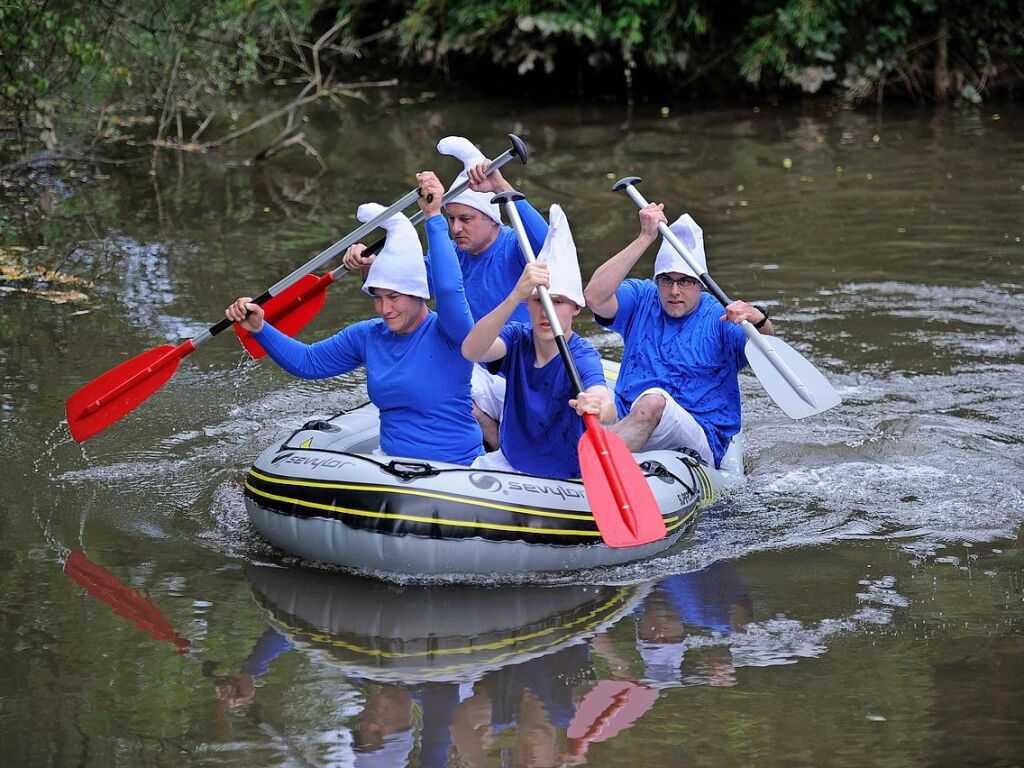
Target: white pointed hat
464, 150
692, 236
559, 251
399, 266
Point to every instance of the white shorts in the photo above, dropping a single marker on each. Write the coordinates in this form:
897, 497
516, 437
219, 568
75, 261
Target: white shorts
494, 460
677, 429
488, 391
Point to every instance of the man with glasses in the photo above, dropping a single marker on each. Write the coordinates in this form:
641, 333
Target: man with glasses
678, 386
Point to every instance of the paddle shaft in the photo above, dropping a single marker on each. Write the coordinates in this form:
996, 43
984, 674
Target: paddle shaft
190, 345
593, 426
751, 332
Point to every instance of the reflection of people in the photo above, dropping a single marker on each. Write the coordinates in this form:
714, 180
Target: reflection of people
678, 385
539, 430
240, 689
679, 608
530, 704
415, 372
490, 259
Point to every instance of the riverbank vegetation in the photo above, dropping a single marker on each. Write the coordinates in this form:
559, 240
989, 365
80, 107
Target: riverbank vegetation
81, 79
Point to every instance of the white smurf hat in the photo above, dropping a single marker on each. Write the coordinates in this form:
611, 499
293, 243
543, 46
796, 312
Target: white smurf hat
399, 266
463, 149
559, 251
692, 236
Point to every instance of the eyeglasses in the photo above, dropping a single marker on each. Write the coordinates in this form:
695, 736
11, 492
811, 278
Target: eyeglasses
683, 282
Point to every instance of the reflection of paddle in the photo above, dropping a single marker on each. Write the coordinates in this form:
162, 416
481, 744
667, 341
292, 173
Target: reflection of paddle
788, 377
129, 604
117, 392
620, 499
123, 600
609, 707
290, 311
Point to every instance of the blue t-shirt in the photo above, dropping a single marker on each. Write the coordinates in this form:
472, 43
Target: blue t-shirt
490, 276
695, 358
418, 381
539, 431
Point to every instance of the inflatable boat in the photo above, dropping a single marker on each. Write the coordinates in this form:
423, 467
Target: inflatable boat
324, 493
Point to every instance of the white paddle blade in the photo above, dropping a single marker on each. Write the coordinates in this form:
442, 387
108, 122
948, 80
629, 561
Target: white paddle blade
806, 393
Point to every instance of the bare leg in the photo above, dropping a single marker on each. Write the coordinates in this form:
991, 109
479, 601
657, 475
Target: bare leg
636, 428
489, 427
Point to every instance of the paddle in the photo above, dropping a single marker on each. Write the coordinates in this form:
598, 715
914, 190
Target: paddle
292, 310
791, 380
129, 604
123, 600
120, 390
609, 708
620, 499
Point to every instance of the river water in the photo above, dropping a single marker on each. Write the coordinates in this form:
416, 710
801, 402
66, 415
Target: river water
859, 600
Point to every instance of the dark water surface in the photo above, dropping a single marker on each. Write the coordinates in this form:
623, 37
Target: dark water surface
859, 601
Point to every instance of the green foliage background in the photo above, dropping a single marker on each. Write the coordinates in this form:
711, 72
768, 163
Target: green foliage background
94, 59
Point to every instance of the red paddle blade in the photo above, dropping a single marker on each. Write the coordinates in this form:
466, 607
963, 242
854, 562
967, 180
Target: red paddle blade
103, 401
122, 599
609, 707
289, 311
620, 498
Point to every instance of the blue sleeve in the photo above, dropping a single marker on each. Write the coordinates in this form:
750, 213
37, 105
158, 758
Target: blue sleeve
270, 645
509, 334
454, 317
339, 354
534, 224
628, 296
588, 364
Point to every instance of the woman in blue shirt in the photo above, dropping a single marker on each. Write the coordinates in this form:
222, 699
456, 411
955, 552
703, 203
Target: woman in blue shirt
415, 373
540, 421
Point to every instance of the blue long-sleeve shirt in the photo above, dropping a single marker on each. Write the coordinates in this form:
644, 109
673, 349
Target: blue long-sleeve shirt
490, 275
419, 381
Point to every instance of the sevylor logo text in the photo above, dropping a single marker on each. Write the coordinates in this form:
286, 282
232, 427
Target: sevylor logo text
310, 461
554, 490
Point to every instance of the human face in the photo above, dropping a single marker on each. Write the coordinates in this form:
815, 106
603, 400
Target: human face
401, 312
565, 311
472, 230
679, 293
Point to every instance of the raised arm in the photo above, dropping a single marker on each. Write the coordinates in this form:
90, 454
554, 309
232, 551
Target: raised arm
453, 312
482, 345
533, 222
600, 291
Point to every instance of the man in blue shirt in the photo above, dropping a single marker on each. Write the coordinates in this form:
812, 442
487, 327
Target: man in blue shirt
678, 385
490, 258
540, 420
415, 372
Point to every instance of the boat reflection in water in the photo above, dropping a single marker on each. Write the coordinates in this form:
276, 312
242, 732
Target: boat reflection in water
448, 670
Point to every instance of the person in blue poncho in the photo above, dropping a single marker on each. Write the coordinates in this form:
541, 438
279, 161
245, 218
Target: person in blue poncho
540, 419
490, 259
678, 386
415, 372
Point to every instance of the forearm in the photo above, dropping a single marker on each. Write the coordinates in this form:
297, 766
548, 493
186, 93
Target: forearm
446, 279
609, 276
307, 361
478, 345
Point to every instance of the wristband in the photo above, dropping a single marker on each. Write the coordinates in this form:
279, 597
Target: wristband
759, 325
